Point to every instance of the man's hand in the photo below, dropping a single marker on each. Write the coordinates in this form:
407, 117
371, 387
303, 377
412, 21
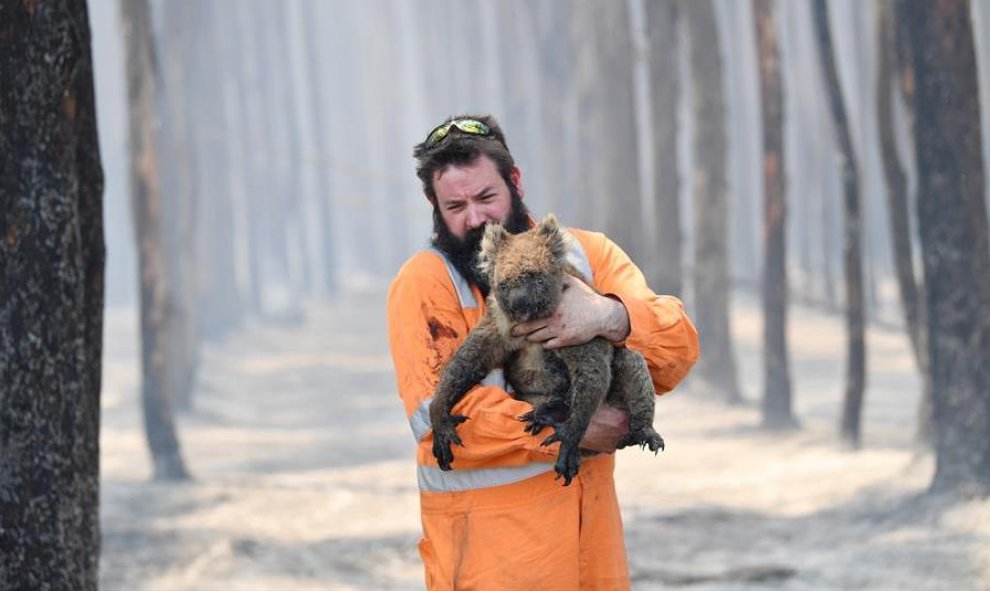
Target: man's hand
581, 315
608, 426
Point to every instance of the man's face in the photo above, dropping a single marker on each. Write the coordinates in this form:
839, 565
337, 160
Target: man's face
470, 197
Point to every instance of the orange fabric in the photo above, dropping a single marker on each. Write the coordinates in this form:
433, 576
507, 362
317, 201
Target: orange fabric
534, 533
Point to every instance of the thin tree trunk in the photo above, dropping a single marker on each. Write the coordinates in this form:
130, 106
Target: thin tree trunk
898, 215
590, 178
51, 299
852, 406
612, 154
178, 212
663, 268
257, 174
317, 71
556, 77
157, 391
296, 229
221, 306
711, 209
777, 413
952, 218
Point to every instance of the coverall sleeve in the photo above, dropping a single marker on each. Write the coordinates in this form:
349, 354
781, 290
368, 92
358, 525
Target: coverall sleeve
426, 326
659, 327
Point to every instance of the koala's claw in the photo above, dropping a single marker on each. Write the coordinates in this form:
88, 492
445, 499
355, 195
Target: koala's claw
445, 434
645, 437
535, 422
568, 462
554, 438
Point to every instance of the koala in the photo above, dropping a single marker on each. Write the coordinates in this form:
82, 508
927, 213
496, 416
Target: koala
565, 386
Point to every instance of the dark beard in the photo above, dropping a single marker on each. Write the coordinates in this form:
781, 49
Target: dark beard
463, 253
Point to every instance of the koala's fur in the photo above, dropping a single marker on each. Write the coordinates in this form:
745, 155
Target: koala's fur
565, 386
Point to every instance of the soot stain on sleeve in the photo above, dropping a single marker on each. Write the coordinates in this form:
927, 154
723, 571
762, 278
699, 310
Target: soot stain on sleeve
439, 330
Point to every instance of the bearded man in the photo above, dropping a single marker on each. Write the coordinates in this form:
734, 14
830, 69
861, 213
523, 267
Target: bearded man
499, 520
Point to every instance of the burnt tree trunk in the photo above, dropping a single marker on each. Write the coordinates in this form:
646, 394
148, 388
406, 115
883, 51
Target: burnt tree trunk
157, 390
222, 307
255, 184
51, 299
711, 269
663, 268
178, 218
952, 218
777, 412
589, 182
318, 76
615, 199
898, 213
852, 405
271, 84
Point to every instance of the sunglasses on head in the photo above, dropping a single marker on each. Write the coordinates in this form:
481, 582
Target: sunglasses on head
468, 126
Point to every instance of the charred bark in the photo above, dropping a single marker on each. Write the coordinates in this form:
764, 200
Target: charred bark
898, 213
156, 308
51, 299
952, 219
177, 212
852, 406
711, 269
317, 83
777, 413
606, 66
663, 268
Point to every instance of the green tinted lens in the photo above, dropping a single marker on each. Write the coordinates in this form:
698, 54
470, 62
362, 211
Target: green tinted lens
469, 126
437, 135
472, 126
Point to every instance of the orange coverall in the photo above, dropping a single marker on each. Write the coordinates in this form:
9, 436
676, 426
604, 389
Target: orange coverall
499, 520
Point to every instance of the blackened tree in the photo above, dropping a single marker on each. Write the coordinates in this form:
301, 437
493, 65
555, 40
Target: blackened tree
952, 219
663, 268
910, 288
51, 298
777, 412
157, 390
852, 406
711, 209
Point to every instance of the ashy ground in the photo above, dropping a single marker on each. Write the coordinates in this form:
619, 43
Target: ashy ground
305, 478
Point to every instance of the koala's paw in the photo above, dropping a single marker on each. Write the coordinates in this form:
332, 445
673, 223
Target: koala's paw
568, 462
568, 457
644, 437
445, 434
536, 420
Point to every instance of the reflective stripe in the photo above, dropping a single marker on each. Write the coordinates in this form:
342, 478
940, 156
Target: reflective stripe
432, 479
420, 420
461, 285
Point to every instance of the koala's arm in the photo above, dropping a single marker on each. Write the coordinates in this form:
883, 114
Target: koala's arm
426, 326
482, 351
659, 327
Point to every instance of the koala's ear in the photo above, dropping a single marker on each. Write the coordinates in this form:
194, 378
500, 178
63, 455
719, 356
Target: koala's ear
493, 239
549, 229
549, 226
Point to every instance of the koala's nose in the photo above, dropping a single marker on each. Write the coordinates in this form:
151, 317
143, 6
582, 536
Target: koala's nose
518, 300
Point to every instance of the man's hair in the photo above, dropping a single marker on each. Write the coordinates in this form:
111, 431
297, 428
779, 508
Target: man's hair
461, 149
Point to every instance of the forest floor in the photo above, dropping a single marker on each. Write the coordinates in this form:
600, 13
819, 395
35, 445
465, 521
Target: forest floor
304, 473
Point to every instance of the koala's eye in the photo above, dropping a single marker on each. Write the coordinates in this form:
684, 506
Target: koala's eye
540, 280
